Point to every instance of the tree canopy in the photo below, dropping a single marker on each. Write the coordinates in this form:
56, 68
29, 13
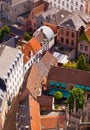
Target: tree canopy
58, 95
76, 94
27, 37
4, 29
81, 63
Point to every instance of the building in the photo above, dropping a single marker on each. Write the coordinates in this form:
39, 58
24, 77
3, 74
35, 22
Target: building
11, 9
67, 78
69, 5
72, 27
3, 105
32, 53
46, 37
84, 43
11, 77
28, 115
35, 18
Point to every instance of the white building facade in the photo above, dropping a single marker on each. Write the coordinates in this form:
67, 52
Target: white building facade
69, 5
11, 70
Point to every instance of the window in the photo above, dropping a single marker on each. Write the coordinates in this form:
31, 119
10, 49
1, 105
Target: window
62, 31
72, 34
71, 7
76, 3
86, 48
81, 46
62, 39
67, 33
34, 24
54, 5
72, 42
72, 1
67, 41
58, 1
8, 74
6, 80
67, 5
62, 3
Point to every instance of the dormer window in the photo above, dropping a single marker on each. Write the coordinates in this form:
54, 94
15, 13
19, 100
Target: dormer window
10, 70
6, 80
8, 74
15, 62
20, 55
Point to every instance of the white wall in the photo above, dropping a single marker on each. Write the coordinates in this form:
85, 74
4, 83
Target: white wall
70, 5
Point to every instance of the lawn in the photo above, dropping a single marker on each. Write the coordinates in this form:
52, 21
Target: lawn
10, 123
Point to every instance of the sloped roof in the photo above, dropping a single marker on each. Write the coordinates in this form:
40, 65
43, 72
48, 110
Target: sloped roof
45, 100
47, 31
55, 16
38, 10
87, 31
75, 20
32, 46
16, 31
49, 60
51, 122
34, 114
6, 59
69, 76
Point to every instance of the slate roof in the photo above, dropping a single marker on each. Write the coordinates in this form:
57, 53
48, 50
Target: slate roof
55, 16
16, 31
69, 76
75, 20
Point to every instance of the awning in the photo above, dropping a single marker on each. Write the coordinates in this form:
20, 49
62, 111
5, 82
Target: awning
77, 86
52, 83
57, 84
63, 85
65, 93
82, 87
87, 88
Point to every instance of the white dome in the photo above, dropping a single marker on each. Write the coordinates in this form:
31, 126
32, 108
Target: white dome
48, 32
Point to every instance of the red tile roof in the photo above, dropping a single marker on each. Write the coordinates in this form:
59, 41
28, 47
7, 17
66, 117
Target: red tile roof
34, 113
87, 31
50, 122
32, 46
69, 76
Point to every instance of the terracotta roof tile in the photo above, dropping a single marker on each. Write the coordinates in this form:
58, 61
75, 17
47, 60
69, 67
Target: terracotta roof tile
45, 100
32, 46
87, 31
49, 122
48, 60
34, 113
69, 76
40, 9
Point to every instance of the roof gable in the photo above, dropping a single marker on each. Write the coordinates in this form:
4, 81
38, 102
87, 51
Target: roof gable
69, 23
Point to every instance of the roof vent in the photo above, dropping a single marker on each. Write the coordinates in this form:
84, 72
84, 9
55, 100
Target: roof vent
67, 25
62, 15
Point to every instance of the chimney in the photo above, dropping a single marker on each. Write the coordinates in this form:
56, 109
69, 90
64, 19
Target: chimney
41, 30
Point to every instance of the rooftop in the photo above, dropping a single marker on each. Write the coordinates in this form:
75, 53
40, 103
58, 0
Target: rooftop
7, 57
69, 76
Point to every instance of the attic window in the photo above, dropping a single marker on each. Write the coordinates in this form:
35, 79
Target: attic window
67, 25
8, 74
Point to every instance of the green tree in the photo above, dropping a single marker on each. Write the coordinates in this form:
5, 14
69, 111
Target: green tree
27, 37
76, 94
58, 95
81, 63
5, 29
